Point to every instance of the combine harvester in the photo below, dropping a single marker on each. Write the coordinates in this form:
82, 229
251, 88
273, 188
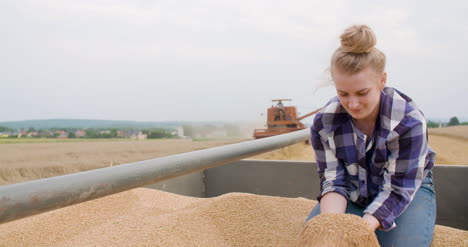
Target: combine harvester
281, 120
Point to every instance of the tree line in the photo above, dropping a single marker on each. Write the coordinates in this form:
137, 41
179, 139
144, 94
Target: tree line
151, 133
453, 121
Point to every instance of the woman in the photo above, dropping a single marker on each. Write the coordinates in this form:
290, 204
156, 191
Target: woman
370, 142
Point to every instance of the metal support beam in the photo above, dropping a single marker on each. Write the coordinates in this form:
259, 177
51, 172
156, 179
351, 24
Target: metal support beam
38, 196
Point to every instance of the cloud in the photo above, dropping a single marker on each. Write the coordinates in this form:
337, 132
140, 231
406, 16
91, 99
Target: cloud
120, 59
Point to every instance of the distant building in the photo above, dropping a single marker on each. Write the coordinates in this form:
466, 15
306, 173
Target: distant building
22, 133
32, 134
60, 132
142, 136
80, 133
9, 134
46, 133
63, 135
136, 135
179, 132
120, 133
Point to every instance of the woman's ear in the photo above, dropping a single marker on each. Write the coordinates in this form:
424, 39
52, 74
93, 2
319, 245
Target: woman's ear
383, 80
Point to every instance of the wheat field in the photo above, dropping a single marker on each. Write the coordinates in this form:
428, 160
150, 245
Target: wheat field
20, 162
450, 145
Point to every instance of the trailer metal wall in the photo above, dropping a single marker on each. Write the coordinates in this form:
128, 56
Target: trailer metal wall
262, 177
299, 179
452, 195
188, 185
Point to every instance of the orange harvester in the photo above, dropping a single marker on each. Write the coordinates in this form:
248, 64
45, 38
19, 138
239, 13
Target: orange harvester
281, 119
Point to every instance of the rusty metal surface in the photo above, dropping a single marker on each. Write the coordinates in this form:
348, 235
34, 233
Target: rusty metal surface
34, 197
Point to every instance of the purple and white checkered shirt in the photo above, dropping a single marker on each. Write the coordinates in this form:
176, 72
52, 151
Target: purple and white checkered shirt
383, 175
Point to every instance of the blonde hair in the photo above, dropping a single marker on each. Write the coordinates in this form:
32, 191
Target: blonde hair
357, 52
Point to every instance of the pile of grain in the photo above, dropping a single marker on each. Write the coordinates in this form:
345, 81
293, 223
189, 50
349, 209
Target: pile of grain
447, 236
338, 230
146, 217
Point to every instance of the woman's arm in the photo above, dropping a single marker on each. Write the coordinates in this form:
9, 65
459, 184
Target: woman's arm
372, 221
403, 174
333, 202
331, 171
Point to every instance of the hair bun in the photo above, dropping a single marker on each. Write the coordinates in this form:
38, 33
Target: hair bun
358, 39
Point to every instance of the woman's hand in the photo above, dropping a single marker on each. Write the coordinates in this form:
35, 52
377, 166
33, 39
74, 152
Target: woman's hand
335, 203
373, 222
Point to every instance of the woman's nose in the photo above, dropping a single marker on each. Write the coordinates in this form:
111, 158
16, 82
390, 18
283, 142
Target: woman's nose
353, 103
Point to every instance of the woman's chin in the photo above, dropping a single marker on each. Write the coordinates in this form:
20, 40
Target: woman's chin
356, 114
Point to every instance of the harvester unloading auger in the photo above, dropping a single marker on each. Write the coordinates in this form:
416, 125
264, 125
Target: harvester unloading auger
281, 120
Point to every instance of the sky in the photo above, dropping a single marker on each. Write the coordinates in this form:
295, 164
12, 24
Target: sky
216, 60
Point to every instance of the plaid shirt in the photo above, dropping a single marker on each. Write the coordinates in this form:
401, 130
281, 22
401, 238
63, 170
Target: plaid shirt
383, 175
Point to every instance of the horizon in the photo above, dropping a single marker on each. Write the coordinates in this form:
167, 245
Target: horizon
196, 121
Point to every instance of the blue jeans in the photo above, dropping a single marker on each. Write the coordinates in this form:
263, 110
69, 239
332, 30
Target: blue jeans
415, 226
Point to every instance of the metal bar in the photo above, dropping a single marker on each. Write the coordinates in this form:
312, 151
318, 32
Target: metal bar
38, 196
309, 114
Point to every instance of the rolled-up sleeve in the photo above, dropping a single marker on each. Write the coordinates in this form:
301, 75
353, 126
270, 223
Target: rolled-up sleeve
331, 171
403, 174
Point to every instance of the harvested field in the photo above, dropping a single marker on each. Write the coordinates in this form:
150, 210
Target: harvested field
20, 162
299, 151
451, 149
450, 144
146, 217
459, 132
